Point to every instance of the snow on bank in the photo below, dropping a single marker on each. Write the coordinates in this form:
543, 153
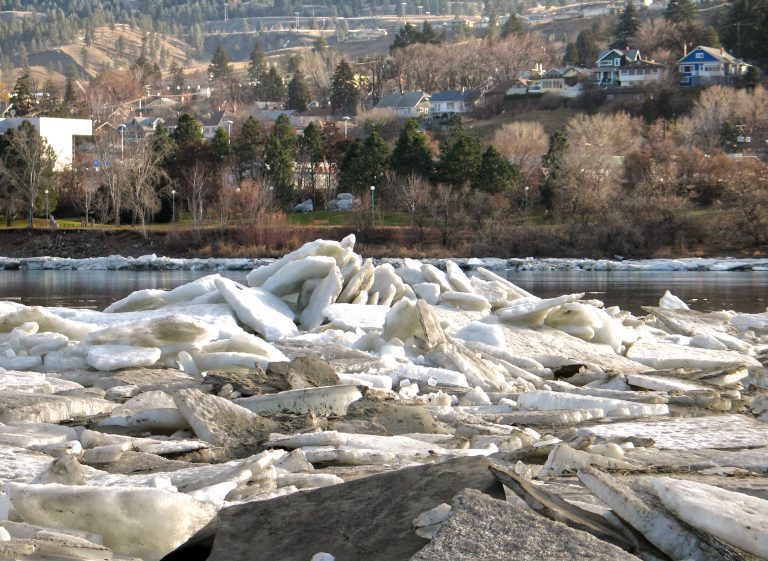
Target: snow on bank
155, 263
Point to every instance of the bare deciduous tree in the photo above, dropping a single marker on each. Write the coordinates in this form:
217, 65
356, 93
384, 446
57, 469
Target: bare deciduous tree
523, 143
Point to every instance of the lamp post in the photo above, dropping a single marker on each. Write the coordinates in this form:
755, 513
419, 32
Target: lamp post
346, 121
526, 199
229, 124
173, 206
47, 214
373, 213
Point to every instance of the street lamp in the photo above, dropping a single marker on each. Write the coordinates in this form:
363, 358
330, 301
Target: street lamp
46, 205
173, 206
346, 121
373, 214
526, 198
229, 124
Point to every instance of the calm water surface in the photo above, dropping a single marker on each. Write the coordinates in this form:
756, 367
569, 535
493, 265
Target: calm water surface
704, 291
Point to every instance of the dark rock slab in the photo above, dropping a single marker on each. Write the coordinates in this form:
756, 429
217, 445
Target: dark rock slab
483, 528
365, 519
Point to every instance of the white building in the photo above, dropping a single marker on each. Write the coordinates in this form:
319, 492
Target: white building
56, 132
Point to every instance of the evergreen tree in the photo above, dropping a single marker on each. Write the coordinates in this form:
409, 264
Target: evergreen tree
271, 86
586, 49
248, 148
513, 26
407, 35
311, 153
459, 160
680, 11
429, 35
552, 163
257, 63
220, 146
626, 27
279, 158
70, 97
220, 69
495, 174
298, 93
22, 97
188, 132
412, 153
492, 31
343, 90
364, 164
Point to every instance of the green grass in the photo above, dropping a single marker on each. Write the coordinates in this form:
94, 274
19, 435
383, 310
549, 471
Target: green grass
320, 218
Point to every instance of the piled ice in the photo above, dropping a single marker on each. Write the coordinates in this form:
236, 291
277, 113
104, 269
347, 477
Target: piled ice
125, 432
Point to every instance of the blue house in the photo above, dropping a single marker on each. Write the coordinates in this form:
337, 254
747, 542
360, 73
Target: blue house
707, 65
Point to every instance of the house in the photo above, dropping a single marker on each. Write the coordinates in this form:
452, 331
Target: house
609, 63
159, 106
217, 120
451, 102
138, 129
408, 104
565, 82
640, 72
707, 65
518, 86
58, 134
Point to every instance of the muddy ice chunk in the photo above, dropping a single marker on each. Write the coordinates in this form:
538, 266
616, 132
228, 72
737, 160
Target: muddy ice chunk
43, 408
148, 523
173, 333
219, 421
263, 312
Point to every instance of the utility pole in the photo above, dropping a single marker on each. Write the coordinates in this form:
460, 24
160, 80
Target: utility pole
226, 5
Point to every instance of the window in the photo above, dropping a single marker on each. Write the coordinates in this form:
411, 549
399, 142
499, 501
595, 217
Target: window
617, 62
699, 55
687, 69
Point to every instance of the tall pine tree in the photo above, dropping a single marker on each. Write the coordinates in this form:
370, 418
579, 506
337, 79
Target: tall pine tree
412, 153
680, 11
626, 27
343, 90
298, 93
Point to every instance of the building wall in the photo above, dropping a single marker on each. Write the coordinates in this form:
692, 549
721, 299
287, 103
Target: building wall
56, 132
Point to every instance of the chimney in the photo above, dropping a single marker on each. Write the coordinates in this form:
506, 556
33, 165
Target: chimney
722, 51
685, 49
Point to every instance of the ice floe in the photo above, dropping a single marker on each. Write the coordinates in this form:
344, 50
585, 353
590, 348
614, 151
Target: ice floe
125, 432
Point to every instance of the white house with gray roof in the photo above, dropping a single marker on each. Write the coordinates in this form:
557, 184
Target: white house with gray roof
408, 104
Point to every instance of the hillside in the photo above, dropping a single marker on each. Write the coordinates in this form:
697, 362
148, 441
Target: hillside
103, 53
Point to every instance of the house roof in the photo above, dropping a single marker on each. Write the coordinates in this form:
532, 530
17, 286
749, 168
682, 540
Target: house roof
214, 119
395, 100
456, 95
273, 114
631, 54
718, 54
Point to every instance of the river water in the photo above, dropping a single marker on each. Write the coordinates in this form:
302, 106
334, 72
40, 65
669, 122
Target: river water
703, 290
